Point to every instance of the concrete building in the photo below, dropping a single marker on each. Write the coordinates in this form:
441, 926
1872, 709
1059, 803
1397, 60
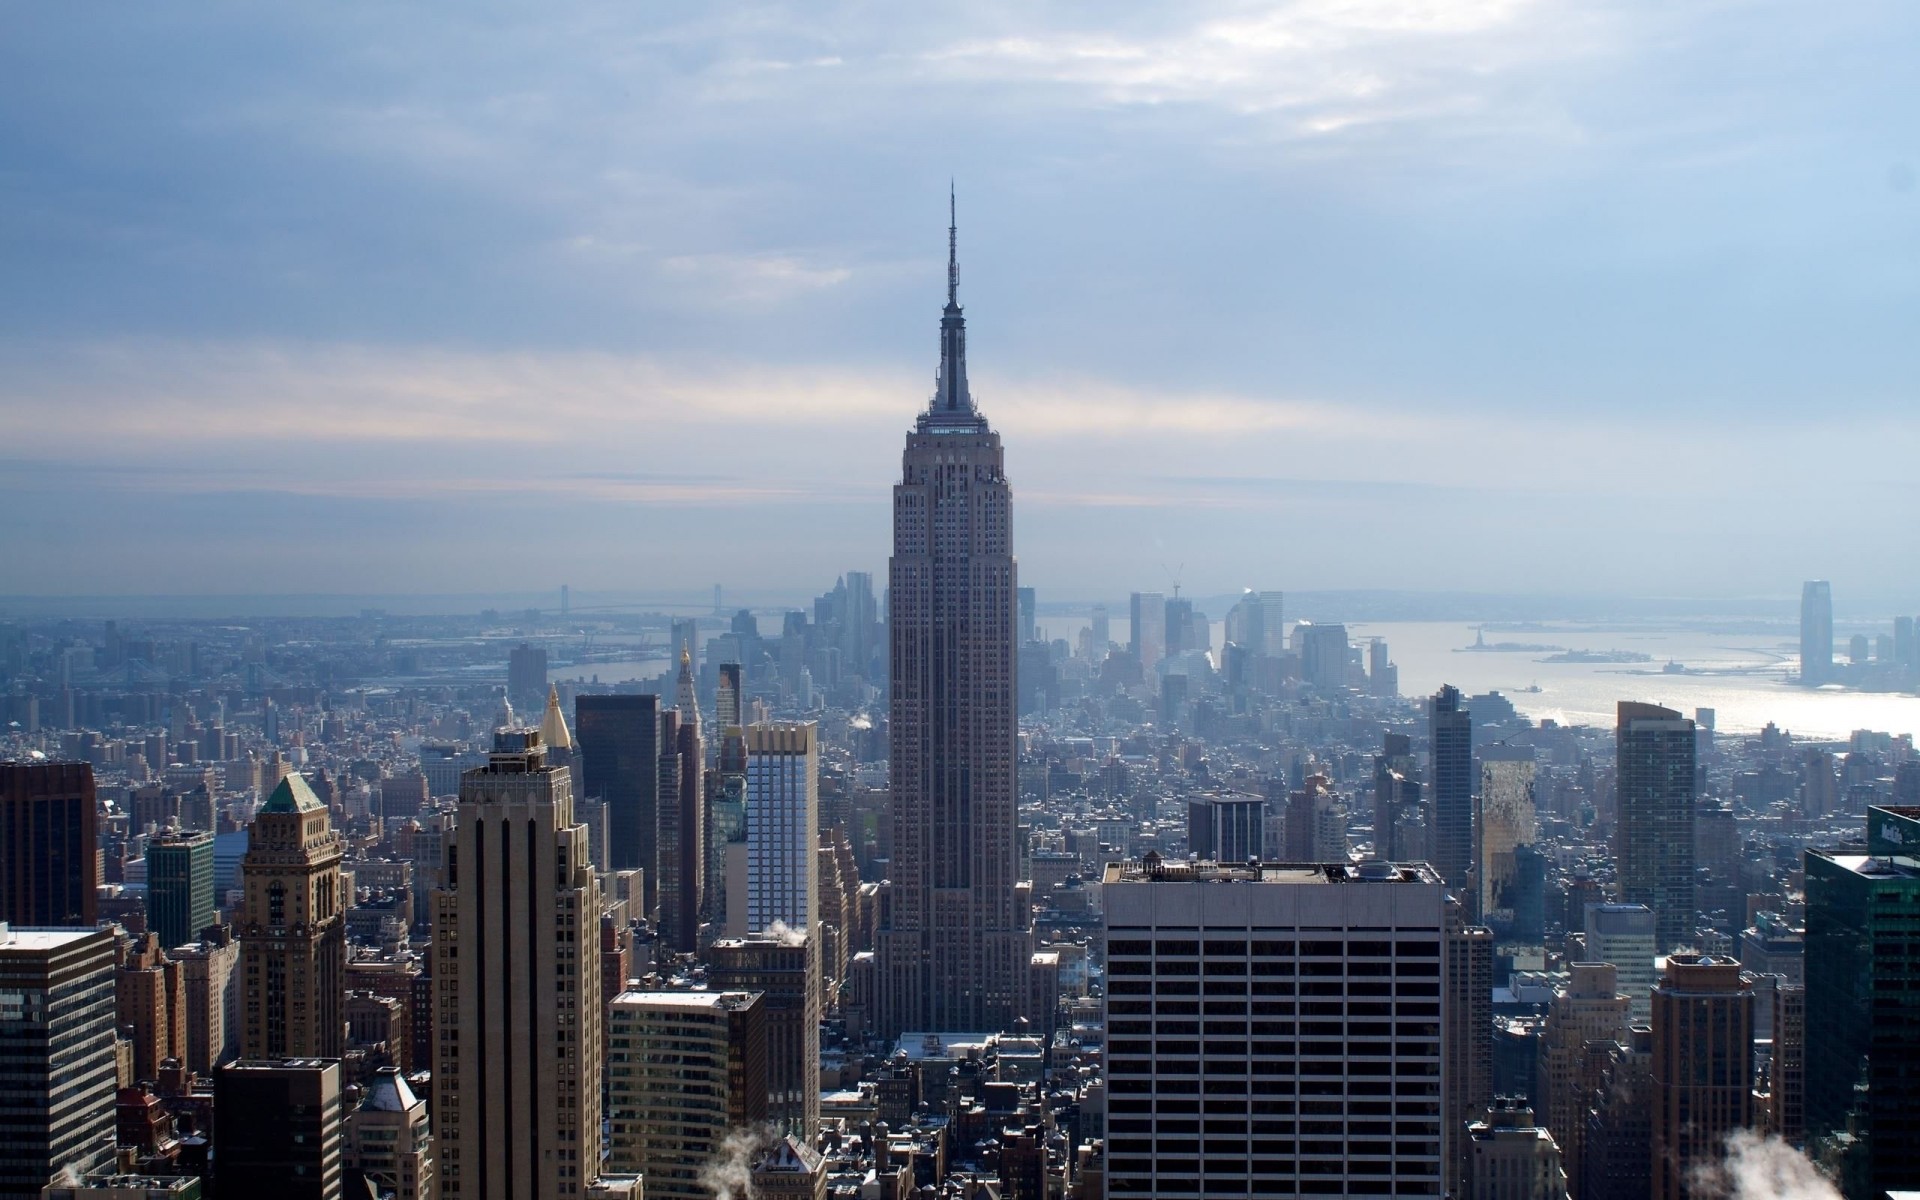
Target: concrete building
680, 839
1589, 1009
1227, 829
1345, 1095
785, 969
1816, 632
957, 943
516, 975
293, 930
57, 1058
783, 823
1653, 842
180, 902
1702, 1069
1506, 821
1512, 1158
210, 974
150, 997
279, 1132
389, 1140
685, 1070
49, 872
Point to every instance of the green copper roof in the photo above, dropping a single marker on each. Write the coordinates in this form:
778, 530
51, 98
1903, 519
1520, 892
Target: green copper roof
293, 795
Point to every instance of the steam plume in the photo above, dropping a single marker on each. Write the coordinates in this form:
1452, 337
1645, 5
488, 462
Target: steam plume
1758, 1168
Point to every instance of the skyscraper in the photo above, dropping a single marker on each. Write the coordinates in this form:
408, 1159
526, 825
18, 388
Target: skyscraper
56, 1055
785, 969
516, 1107
180, 887
1624, 935
1147, 622
1702, 1069
1589, 1008
280, 1126
956, 950
1862, 1005
1452, 781
293, 930
682, 816
48, 823
1816, 632
1654, 840
1507, 821
619, 741
526, 674
1356, 1074
783, 823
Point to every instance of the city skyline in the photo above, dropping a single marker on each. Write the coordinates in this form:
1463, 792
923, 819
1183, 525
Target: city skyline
273, 306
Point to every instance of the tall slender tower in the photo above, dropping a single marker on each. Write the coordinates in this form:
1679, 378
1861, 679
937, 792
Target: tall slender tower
1452, 729
516, 973
293, 930
1655, 831
957, 948
1816, 632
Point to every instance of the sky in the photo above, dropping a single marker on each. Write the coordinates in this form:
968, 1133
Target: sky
1460, 295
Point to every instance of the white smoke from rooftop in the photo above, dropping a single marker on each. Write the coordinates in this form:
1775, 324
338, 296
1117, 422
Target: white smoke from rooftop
786, 934
729, 1176
1758, 1168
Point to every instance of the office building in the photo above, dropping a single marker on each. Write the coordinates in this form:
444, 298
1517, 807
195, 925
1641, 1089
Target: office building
49, 865
57, 1058
526, 675
1512, 1158
150, 1001
682, 837
1398, 822
1228, 829
1617, 1163
1862, 1003
785, 969
1101, 632
293, 930
280, 1127
1325, 655
957, 944
684, 1071
1653, 843
517, 998
1816, 633
1506, 822
619, 745
1466, 1053
210, 975
180, 887
1702, 1069
727, 697
1623, 935
1589, 1008
1451, 776
783, 823
1320, 1056
1787, 1064
389, 1140
1147, 625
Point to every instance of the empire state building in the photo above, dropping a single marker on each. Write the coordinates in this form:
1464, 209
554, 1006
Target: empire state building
955, 953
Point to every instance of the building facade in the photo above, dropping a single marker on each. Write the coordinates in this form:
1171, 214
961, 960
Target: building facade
280, 1129
1816, 632
783, 823
785, 970
517, 993
293, 930
1654, 838
1451, 728
49, 823
57, 1014
619, 747
1702, 1070
180, 887
957, 947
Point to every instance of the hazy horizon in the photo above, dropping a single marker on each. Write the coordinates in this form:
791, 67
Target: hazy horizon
1506, 296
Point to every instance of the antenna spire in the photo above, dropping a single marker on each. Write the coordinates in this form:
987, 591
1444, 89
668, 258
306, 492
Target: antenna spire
953, 249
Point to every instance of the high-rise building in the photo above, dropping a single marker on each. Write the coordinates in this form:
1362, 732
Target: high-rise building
1178, 625
1617, 1163
619, 740
785, 969
1623, 935
1702, 1069
293, 930
1029, 614
280, 1126
1816, 632
57, 1014
526, 675
210, 973
1320, 1056
1862, 1004
1324, 655
516, 973
957, 944
1466, 1052
685, 1070
1787, 1064
1228, 829
1102, 634
1147, 625
150, 998
1273, 624
783, 826
1512, 1158
1506, 822
1590, 1008
682, 836
49, 870
180, 887
389, 1140
1452, 782
727, 697
1654, 839
1397, 815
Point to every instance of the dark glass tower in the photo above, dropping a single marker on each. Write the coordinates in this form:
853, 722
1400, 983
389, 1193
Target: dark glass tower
619, 744
48, 867
956, 951
1452, 730
1654, 841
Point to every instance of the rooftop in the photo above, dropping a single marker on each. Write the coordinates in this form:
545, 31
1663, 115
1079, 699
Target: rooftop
1153, 869
691, 1001
41, 939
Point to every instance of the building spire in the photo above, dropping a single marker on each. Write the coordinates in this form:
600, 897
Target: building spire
951, 399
